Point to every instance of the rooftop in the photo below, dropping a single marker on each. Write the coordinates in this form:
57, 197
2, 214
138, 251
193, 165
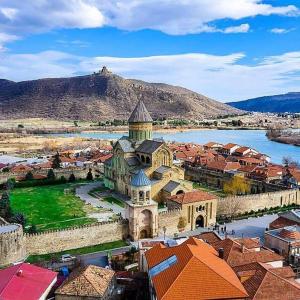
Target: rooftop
149, 146
288, 233
140, 179
192, 270
90, 281
193, 196
8, 228
25, 281
140, 114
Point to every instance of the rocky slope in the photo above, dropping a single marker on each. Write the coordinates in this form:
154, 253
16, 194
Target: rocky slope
102, 96
289, 102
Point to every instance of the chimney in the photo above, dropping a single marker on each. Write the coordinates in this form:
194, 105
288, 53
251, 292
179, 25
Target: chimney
221, 253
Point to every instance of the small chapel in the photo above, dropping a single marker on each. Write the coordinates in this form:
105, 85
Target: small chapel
142, 169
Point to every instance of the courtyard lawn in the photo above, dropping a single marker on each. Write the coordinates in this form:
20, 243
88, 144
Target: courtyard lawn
50, 207
78, 251
113, 200
215, 191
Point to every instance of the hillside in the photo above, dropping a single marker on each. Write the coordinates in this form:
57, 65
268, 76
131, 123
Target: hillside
289, 102
102, 96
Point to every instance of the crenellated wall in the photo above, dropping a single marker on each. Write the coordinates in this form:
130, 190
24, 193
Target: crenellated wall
242, 204
77, 237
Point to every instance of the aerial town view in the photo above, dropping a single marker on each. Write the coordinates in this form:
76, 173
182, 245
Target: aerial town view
149, 150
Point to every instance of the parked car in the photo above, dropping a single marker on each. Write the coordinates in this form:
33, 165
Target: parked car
67, 257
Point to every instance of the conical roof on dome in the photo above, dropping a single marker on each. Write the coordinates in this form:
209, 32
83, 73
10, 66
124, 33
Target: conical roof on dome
140, 114
140, 179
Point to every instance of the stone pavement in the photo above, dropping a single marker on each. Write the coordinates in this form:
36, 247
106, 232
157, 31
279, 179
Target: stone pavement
83, 193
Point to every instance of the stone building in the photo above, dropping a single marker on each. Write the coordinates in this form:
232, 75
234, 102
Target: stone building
198, 208
142, 170
139, 151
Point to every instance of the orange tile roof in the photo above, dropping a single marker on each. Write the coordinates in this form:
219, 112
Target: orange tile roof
191, 197
223, 165
289, 234
242, 149
20, 169
267, 283
249, 243
198, 273
229, 146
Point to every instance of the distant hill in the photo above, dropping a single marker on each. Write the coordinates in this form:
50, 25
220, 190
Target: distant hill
289, 102
102, 96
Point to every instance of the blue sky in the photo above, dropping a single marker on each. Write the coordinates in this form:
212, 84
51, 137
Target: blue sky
227, 50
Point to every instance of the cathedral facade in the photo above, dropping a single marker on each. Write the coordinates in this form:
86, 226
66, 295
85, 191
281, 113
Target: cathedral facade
142, 170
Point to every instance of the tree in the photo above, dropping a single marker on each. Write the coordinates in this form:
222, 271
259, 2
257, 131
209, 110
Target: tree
63, 179
29, 176
181, 223
229, 206
32, 229
56, 161
51, 174
89, 175
19, 218
72, 178
5, 208
237, 186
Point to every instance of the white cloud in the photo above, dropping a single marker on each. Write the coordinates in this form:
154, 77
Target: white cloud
172, 17
220, 77
281, 30
243, 28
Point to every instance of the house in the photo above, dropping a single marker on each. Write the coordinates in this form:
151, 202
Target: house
26, 282
89, 282
191, 270
287, 218
21, 169
285, 241
229, 149
199, 208
262, 281
242, 151
242, 251
212, 146
223, 166
292, 177
268, 173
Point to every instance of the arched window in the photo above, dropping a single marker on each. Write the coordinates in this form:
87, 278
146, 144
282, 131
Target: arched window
147, 160
143, 158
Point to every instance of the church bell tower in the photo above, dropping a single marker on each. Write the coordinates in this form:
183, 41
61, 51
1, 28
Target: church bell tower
140, 123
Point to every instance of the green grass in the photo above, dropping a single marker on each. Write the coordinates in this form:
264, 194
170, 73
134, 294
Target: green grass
78, 251
48, 207
215, 191
113, 200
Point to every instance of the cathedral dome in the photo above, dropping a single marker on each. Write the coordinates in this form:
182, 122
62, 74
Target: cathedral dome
140, 179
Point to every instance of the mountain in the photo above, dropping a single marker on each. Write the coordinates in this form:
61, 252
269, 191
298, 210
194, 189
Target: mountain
289, 102
102, 96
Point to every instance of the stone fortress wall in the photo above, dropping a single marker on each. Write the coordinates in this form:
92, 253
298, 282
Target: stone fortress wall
12, 246
169, 220
242, 204
77, 237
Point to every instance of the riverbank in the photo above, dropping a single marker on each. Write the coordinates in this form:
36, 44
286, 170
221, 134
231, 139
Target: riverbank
289, 140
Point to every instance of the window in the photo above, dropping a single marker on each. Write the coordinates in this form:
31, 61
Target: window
164, 265
147, 160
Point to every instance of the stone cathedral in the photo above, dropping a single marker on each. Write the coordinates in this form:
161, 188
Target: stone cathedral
142, 169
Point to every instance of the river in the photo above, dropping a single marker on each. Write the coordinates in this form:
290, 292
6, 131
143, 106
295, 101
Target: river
251, 138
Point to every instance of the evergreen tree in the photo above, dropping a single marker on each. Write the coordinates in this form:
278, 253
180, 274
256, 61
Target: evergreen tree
89, 175
72, 178
29, 176
51, 174
5, 209
19, 218
63, 179
56, 161
32, 229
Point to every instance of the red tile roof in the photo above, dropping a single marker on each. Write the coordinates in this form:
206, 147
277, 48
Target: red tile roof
191, 197
208, 237
281, 222
235, 254
229, 146
198, 273
223, 165
25, 281
289, 234
263, 282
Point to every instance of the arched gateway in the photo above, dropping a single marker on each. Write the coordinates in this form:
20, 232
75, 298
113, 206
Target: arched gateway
200, 221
